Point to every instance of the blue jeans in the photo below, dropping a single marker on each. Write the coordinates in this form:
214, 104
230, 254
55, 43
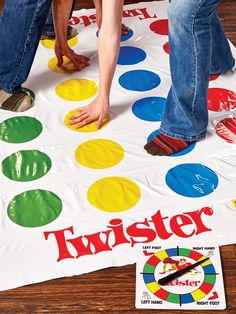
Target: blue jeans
48, 29
198, 47
21, 26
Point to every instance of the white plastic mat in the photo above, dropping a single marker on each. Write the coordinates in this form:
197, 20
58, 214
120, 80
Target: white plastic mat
87, 214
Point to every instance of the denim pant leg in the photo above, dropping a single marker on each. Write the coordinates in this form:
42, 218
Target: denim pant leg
21, 26
48, 29
190, 37
222, 59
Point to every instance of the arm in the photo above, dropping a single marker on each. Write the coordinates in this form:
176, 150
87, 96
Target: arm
98, 7
61, 15
109, 44
108, 49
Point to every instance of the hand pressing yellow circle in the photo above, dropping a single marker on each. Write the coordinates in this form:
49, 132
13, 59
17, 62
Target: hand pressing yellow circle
87, 128
67, 67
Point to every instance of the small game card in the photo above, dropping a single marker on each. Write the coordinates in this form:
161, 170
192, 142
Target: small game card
179, 277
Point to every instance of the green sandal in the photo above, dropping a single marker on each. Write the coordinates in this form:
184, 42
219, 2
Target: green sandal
17, 102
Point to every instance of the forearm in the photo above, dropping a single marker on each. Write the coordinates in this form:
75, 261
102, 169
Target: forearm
109, 44
98, 4
98, 7
61, 15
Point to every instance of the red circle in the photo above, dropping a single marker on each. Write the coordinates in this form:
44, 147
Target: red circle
226, 129
160, 27
220, 99
213, 77
166, 47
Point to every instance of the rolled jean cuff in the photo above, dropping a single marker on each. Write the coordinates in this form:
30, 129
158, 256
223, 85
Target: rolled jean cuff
226, 69
185, 138
10, 90
48, 33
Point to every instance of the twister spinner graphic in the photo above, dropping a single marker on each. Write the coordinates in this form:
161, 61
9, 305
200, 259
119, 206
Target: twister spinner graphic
188, 288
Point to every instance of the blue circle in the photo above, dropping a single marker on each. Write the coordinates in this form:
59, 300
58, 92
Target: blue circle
149, 108
139, 80
130, 55
127, 36
181, 153
192, 180
124, 37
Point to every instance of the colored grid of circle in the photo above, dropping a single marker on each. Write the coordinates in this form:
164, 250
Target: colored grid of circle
34, 208
20, 129
149, 108
131, 55
87, 128
26, 165
226, 129
221, 99
139, 80
67, 67
192, 180
159, 291
114, 194
76, 89
50, 43
99, 154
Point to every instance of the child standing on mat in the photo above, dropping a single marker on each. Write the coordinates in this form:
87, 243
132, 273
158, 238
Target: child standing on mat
198, 48
19, 38
21, 27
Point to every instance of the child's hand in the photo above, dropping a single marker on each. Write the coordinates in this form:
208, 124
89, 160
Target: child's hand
64, 50
124, 29
96, 111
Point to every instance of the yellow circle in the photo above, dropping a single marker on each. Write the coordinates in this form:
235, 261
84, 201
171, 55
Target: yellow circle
99, 154
50, 43
67, 67
114, 194
77, 89
87, 128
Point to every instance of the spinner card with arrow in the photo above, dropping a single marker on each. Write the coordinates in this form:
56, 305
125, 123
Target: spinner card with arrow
179, 277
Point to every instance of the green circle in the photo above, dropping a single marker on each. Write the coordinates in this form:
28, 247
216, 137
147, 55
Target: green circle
20, 129
34, 208
26, 165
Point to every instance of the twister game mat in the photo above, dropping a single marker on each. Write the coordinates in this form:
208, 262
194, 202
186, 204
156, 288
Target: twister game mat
202, 287
74, 201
